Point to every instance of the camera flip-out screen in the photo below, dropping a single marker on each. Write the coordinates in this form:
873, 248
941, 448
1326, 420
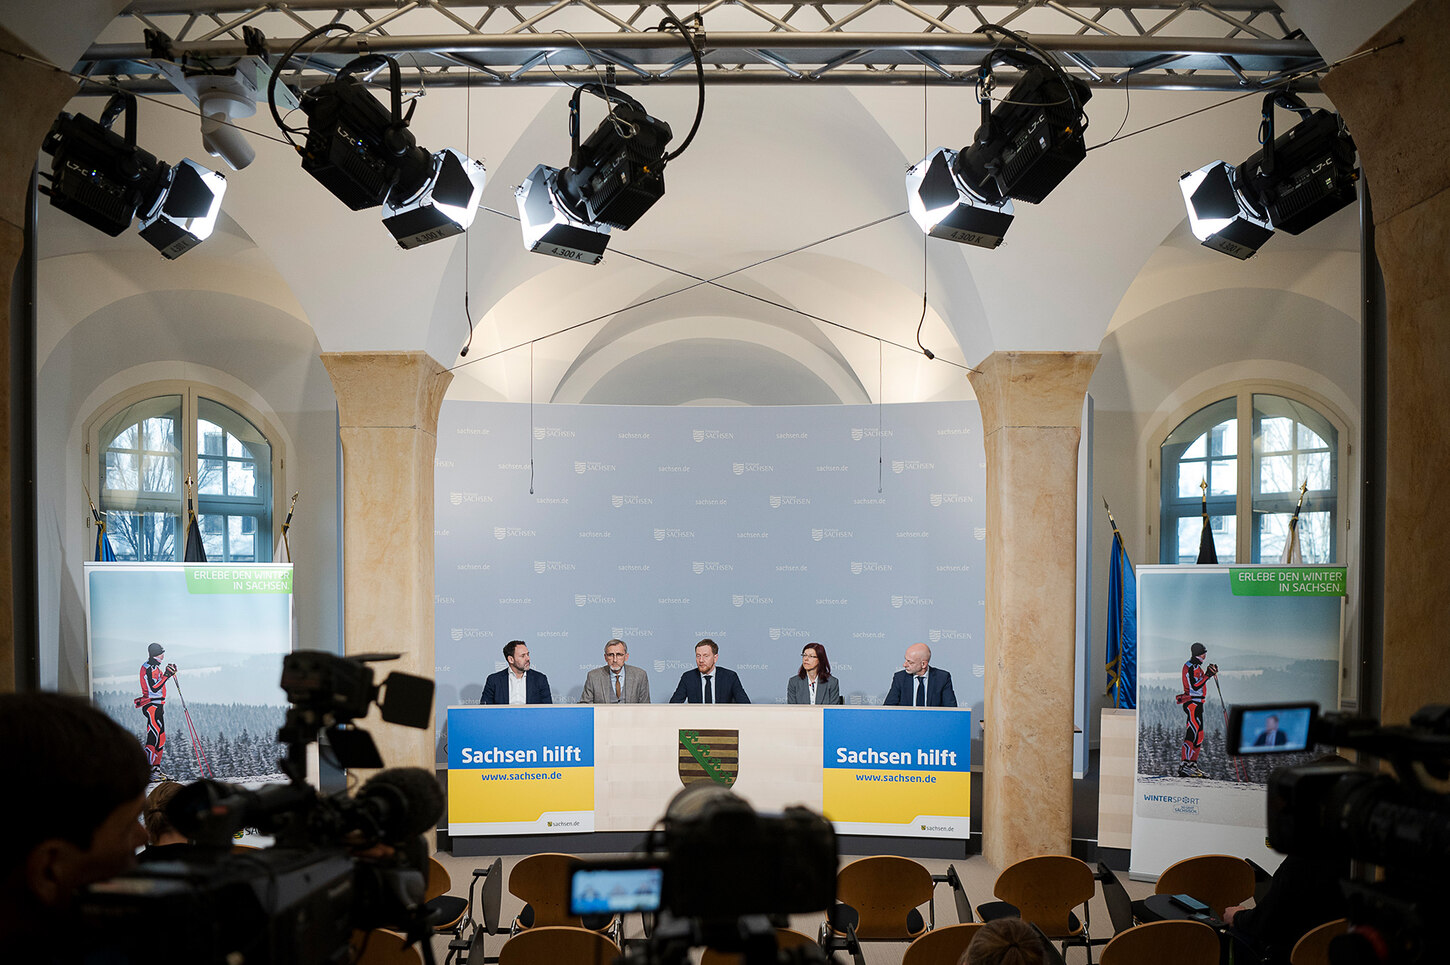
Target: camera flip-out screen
1269, 729
602, 889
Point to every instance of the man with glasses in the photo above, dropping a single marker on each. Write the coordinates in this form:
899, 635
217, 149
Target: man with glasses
616, 682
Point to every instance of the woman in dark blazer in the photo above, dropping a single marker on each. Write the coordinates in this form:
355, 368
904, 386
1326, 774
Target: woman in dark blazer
815, 670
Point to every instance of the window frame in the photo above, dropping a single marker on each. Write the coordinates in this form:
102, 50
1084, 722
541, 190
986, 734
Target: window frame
1242, 501
191, 394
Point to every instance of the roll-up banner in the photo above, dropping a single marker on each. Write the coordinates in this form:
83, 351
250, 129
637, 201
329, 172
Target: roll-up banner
224, 628
1274, 635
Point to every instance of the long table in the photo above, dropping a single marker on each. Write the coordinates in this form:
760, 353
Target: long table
570, 769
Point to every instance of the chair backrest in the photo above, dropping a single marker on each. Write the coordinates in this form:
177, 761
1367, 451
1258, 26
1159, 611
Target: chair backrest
785, 938
1046, 889
884, 890
542, 880
380, 947
1217, 880
1181, 942
1313, 948
439, 882
942, 946
1115, 896
558, 943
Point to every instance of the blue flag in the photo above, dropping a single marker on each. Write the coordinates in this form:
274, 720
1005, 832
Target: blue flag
1122, 656
104, 553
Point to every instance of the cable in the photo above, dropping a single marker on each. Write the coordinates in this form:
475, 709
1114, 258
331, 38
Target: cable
468, 146
699, 73
282, 64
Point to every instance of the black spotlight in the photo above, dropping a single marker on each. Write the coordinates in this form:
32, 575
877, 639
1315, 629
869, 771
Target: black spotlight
366, 156
1294, 182
1308, 173
103, 178
619, 172
1034, 138
613, 177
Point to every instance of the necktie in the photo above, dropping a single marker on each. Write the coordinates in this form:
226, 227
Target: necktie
709, 696
616, 686
920, 696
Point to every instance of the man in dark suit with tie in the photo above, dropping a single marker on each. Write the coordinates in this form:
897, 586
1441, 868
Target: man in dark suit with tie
919, 684
516, 684
707, 683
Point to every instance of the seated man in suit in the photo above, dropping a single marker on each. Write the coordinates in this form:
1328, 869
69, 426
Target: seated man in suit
707, 683
516, 684
1271, 735
919, 684
615, 682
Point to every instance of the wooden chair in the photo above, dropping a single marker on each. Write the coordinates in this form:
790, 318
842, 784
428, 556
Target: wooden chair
542, 882
1181, 942
382, 947
785, 938
1045, 889
447, 910
1313, 948
885, 892
558, 943
1217, 880
941, 946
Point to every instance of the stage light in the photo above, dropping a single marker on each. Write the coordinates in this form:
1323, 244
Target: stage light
550, 228
183, 216
946, 208
1305, 175
1219, 214
613, 177
1034, 138
366, 156
619, 172
441, 205
1294, 182
102, 178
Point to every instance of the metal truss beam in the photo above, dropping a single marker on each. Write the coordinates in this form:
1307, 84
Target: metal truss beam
1232, 45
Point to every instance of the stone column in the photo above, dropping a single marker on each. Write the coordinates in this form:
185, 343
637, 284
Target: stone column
388, 406
1032, 421
1402, 152
33, 95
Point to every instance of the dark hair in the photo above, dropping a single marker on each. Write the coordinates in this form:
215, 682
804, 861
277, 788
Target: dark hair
93, 767
510, 647
823, 663
707, 642
153, 815
1005, 941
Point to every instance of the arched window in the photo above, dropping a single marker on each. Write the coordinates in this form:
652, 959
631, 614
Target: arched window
147, 448
1289, 444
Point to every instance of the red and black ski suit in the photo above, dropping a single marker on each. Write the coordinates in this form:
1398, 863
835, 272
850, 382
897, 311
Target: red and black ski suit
1195, 675
152, 703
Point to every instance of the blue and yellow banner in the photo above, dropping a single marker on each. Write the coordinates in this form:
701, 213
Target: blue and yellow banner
520, 770
897, 771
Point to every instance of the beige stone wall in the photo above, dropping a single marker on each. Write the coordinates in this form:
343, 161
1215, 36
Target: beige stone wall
1404, 152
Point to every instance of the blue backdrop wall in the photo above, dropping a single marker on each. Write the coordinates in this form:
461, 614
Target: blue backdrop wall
764, 528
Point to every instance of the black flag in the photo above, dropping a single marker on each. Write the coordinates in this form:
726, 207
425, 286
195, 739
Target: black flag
195, 552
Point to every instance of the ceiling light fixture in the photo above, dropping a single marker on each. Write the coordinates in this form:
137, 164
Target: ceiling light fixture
613, 177
366, 156
103, 178
1290, 184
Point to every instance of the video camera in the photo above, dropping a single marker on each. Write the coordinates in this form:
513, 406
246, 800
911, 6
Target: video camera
1399, 823
716, 873
339, 863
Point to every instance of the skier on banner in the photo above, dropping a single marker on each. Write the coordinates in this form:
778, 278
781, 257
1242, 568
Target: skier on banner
152, 702
1195, 675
